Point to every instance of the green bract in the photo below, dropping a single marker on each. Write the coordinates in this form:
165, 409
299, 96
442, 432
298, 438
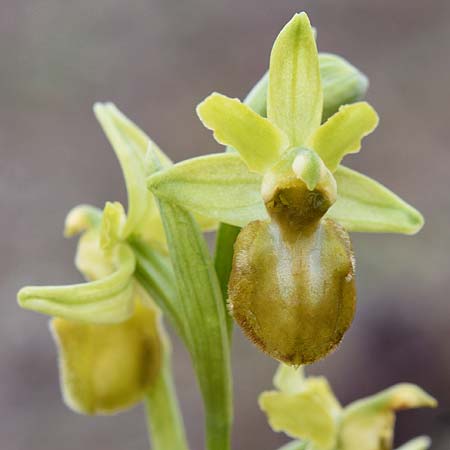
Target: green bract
306, 409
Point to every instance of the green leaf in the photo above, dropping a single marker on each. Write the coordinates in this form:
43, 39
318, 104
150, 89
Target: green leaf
108, 300
303, 415
258, 141
342, 133
219, 186
342, 83
132, 165
368, 424
295, 99
420, 443
365, 205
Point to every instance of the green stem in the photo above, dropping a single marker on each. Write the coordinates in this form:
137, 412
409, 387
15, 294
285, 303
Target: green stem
165, 423
155, 274
200, 296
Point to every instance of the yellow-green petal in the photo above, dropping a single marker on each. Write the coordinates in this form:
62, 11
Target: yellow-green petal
258, 141
90, 259
107, 368
342, 133
303, 415
108, 300
113, 219
365, 205
295, 98
368, 424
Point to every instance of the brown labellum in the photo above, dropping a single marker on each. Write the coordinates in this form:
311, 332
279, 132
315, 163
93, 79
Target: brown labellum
292, 284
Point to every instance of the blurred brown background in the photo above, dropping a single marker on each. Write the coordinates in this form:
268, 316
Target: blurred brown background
156, 59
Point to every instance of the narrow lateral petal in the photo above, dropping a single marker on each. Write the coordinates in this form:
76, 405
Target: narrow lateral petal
342, 133
258, 141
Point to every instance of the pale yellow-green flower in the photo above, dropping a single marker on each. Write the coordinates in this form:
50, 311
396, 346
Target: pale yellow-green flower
306, 409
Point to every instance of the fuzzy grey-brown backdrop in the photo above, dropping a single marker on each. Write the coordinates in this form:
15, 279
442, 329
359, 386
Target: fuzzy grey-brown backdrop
156, 59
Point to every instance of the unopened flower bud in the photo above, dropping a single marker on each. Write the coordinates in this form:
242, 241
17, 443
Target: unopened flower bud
342, 83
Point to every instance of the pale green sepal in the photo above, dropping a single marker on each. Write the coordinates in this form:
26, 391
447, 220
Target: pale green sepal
365, 205
301, 416
368, 424
259, 142
131, 161
108, 300
295, 99
81, 218
342, 83
219, 186
289, 379
135, 136
113, 220
419, 443
342, 133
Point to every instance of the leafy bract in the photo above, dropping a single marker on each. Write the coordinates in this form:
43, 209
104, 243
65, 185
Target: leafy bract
342, 133
295, 98
218, 186
258, 141
365, 205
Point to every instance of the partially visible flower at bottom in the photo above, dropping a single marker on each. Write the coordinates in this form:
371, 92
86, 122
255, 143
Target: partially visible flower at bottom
305, 408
